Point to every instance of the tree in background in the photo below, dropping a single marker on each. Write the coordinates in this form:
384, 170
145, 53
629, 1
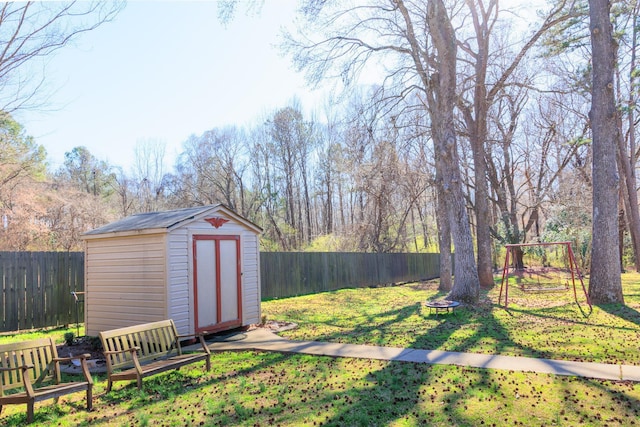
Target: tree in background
605, 284
32, 31
417, 46
493, 64
86, 173
211, 170
149, 175
20, 156
22, 170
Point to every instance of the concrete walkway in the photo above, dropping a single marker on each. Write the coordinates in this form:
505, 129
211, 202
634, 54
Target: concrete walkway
266, 340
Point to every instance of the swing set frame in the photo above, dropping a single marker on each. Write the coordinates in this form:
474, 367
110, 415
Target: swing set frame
573, 268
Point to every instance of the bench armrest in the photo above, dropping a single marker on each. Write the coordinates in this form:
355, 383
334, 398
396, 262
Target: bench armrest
83, 365
70, 358
192, 335
134, 359
200, 337
26, 380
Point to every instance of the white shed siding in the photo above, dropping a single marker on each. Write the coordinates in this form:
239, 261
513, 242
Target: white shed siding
250, 279
180, 307
125, 282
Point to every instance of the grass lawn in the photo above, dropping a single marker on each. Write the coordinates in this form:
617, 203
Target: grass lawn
259, 388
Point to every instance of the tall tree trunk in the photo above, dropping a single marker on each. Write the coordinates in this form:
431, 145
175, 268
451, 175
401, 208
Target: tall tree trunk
483, 217
440, 93
442, 102
444, 238
605, 284
622, 225
477, 127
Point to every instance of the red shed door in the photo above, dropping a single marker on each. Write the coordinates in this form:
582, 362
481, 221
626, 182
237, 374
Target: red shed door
218, 297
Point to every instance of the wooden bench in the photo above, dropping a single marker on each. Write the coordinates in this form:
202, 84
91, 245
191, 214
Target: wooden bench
139, 351
33, 369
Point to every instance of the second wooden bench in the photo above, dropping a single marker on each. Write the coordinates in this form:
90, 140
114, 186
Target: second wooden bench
135, 352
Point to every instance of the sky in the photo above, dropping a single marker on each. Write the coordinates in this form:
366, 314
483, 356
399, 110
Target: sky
162, 71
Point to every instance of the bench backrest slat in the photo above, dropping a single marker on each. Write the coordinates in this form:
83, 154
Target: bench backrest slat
39, 353
157, 339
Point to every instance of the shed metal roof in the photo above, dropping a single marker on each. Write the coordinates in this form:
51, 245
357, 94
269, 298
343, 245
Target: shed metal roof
161, 220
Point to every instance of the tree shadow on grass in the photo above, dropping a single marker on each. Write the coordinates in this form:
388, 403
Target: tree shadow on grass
401, 390
170, 386
405, 395
622, 311
552, 314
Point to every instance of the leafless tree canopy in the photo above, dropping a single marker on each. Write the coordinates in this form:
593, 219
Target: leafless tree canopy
30, 32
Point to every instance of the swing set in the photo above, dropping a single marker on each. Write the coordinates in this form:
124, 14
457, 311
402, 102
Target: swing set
551, 267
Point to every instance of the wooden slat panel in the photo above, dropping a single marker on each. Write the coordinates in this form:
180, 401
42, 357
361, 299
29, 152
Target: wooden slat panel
36, 288
38, 353
285, 274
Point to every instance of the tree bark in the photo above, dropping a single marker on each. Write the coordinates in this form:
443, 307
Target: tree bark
442, 103
605, 284
444, 238
477, 128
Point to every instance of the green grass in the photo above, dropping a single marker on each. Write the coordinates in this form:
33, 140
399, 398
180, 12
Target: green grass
259, 388
546, 325
56, 333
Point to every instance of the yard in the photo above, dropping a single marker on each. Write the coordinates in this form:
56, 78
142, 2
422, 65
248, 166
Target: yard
253, 388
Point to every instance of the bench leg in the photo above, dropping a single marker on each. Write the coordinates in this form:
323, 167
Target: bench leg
109, 384
139, 382
89, 399
30, 416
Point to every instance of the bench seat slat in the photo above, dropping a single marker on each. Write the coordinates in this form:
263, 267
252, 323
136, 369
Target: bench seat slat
46, 392
159, 366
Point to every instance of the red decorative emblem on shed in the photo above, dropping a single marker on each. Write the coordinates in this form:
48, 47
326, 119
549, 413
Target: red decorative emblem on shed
217, 222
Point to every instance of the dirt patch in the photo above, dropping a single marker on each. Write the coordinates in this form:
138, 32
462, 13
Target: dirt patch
275, 326
82, 345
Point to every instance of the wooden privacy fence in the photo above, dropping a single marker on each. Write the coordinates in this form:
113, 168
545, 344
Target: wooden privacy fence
285, 274
36, 287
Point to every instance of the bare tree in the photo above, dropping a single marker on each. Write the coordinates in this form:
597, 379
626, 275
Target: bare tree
149, 174
419, 39
292, 140
441, 99
478, 96
605, 284
124, 189
35, 30
211, 170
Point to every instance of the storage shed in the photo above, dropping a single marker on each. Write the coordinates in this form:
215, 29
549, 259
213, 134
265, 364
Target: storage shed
198, 266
